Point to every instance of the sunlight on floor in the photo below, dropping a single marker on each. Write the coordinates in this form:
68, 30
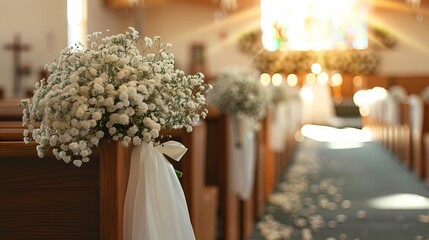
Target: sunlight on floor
403, 201
337, 138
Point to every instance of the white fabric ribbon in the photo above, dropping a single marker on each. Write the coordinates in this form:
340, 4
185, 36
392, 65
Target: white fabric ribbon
278, 128
155, 206
242, 156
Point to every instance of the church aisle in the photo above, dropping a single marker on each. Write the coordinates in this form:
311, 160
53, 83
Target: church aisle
346, 190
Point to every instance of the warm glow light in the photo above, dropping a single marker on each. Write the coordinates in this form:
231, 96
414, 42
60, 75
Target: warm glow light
265, 79
400, 202
340, 137
277, 79
310, 78
314, 24
322, 78
379, 93
292, 80
74, 12
338, 98
336, 80
344, 145
316, 68
364, 98
299, 137
306, 94
364, 111
76, 21
357, 81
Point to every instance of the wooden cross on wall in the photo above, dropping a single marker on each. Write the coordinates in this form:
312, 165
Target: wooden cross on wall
17, 47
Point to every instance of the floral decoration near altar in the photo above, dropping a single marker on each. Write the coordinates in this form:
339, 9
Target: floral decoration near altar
113, 90
345, 61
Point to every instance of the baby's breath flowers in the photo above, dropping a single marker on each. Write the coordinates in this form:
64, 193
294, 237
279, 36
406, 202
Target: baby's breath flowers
238, 92
111, 90
279, 94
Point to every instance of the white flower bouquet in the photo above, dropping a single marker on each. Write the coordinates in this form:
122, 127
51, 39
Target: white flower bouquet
279, 94
424, 94
238, 92
398, 93
112, 90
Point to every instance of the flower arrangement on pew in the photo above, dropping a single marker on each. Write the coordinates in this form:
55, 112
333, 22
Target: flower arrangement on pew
425, 94
279, 94
398, 93
238, 93
111, 90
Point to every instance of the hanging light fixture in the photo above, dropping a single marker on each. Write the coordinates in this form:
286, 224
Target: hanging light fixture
228, 5
225, 6
415, 4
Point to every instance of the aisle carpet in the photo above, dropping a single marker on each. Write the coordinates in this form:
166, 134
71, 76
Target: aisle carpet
332, 192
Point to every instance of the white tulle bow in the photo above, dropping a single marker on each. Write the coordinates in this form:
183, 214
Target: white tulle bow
242, 155
155, 205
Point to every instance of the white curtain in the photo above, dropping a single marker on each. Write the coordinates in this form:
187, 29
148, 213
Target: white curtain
278, 127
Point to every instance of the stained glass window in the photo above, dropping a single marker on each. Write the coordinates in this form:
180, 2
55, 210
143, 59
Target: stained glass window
314, 24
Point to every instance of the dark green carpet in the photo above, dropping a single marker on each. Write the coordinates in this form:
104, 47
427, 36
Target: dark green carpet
334, 175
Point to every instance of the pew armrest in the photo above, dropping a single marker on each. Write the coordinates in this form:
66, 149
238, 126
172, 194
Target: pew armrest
209, 212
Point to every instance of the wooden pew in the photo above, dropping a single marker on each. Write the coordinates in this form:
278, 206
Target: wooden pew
270, 159
425, 144
45, 199
217, 174
404, 134
236, 217
10, 110
424, 150
202, 200
418, 127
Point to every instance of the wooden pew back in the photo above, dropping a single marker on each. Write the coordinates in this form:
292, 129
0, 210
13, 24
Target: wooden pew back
45, 199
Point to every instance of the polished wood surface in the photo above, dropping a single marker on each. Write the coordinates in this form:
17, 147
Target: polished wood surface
248, 219
114, 171
413, 84
10, 110
7, 134
218, 168
259, 189
404, 134
425, 130
43, 198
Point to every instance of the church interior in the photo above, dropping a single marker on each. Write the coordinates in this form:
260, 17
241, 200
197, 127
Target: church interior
310, 119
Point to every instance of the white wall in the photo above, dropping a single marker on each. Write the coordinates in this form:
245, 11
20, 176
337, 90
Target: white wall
411, 55
40, 23
101, 18
43, 25
184, 25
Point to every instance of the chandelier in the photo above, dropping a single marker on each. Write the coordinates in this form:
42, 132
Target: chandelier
225, 6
